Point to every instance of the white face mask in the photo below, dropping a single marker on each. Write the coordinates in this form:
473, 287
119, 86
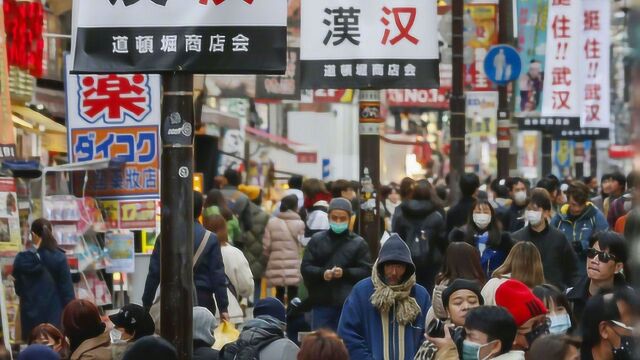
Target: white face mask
533, 217
482, 220
520, 197
560, 324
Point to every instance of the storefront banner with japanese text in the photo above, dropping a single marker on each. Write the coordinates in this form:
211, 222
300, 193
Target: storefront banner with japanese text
372, 44
10, 240
120, 249
594, 67
532, 40
561, 94
7, 141
424, 98
117, 116
285, 87
197, 36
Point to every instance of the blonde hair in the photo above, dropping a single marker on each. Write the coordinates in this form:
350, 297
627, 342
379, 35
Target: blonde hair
524, 264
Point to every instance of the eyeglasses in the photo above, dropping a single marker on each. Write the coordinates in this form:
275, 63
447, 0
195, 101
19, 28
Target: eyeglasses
604, 257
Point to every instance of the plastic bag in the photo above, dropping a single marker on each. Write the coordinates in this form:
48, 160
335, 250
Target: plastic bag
224, 334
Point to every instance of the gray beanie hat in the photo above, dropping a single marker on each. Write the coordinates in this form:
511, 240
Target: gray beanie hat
203, 325
341, 204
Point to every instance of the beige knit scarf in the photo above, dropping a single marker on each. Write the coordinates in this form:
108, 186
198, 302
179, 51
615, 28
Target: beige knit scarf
386, 296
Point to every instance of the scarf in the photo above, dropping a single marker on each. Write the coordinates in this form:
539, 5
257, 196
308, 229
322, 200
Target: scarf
385, 296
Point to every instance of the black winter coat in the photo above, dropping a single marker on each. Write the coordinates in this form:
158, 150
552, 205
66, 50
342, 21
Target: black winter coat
326, 250
418, 216
43, 283
579, 295
458, 215
202, 351
559, 261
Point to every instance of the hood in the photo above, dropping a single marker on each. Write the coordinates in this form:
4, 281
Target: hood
265, 324
28, 262
417, 208
151, 347
288, 215
395, 250
204, 323
589, 210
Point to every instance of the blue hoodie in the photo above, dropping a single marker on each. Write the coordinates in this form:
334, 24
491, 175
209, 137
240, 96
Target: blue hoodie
361, 323
580, 228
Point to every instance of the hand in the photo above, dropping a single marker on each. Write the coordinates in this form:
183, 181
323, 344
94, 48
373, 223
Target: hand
225, 316
445, 342
328, 275
337, 272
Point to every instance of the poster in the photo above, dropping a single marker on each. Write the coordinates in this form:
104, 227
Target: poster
285, 87
232, 150
595, 84
372, 44
10, 239
561, 93
532, 39
120, 249
7, 140
117, 117
529, 153
137, 215
480, 33
197, 36
481, 125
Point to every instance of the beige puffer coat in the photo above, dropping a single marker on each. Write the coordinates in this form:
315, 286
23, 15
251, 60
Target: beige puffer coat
282, 249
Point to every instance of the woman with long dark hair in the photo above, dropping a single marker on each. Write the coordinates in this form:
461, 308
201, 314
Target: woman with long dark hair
42, 279
483, 232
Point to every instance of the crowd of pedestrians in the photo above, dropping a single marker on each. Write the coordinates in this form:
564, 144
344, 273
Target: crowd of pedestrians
511, 270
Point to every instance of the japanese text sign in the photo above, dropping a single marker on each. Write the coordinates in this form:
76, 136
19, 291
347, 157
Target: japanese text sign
116, 116
369, 44
561, 95
197, 36
595, 46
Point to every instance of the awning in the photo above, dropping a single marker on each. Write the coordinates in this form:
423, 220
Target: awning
38, 120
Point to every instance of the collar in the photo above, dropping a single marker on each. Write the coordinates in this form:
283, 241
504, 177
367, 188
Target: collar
541, 233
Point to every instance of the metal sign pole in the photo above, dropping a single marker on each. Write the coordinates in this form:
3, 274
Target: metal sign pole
176, 255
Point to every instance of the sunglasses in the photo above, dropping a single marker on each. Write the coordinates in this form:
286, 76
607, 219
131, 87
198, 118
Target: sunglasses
603, 257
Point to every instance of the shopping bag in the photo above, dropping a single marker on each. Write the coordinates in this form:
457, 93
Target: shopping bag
224, 334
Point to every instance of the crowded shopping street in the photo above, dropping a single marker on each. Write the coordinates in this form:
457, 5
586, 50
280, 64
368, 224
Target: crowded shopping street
319, 179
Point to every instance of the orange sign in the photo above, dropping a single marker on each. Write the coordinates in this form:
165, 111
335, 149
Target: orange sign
137, 147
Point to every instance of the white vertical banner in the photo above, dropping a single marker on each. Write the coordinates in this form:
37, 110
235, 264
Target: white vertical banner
562, 81
595, 44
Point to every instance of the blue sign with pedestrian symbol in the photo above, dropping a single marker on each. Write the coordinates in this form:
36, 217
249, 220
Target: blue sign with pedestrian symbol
502, 64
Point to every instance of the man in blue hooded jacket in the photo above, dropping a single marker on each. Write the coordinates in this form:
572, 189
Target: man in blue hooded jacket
384, 316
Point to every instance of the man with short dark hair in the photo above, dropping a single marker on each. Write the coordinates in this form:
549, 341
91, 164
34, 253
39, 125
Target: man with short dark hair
458, 214
343, 189
208, 274
489, 334
618, 185
608, 327
579, 220
622, 205
514, 218
558, 198
559, 261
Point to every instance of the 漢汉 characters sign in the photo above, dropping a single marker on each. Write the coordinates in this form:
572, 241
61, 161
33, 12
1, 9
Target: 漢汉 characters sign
116, 116
197, 36
369, 44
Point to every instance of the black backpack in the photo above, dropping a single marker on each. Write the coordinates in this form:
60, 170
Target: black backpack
250, 343
422, 240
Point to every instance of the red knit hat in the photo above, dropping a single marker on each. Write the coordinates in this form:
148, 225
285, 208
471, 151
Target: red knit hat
518, 299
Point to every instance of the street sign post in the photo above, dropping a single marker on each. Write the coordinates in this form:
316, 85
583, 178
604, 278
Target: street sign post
502, 64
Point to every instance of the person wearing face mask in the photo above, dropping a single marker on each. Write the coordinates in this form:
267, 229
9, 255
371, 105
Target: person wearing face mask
483, 232
458, 299
528, 311
513, 220
133, 322
608, 326
333, 262
489, 334
383, 317
560, 316
560, 263
606, 260
579, 220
